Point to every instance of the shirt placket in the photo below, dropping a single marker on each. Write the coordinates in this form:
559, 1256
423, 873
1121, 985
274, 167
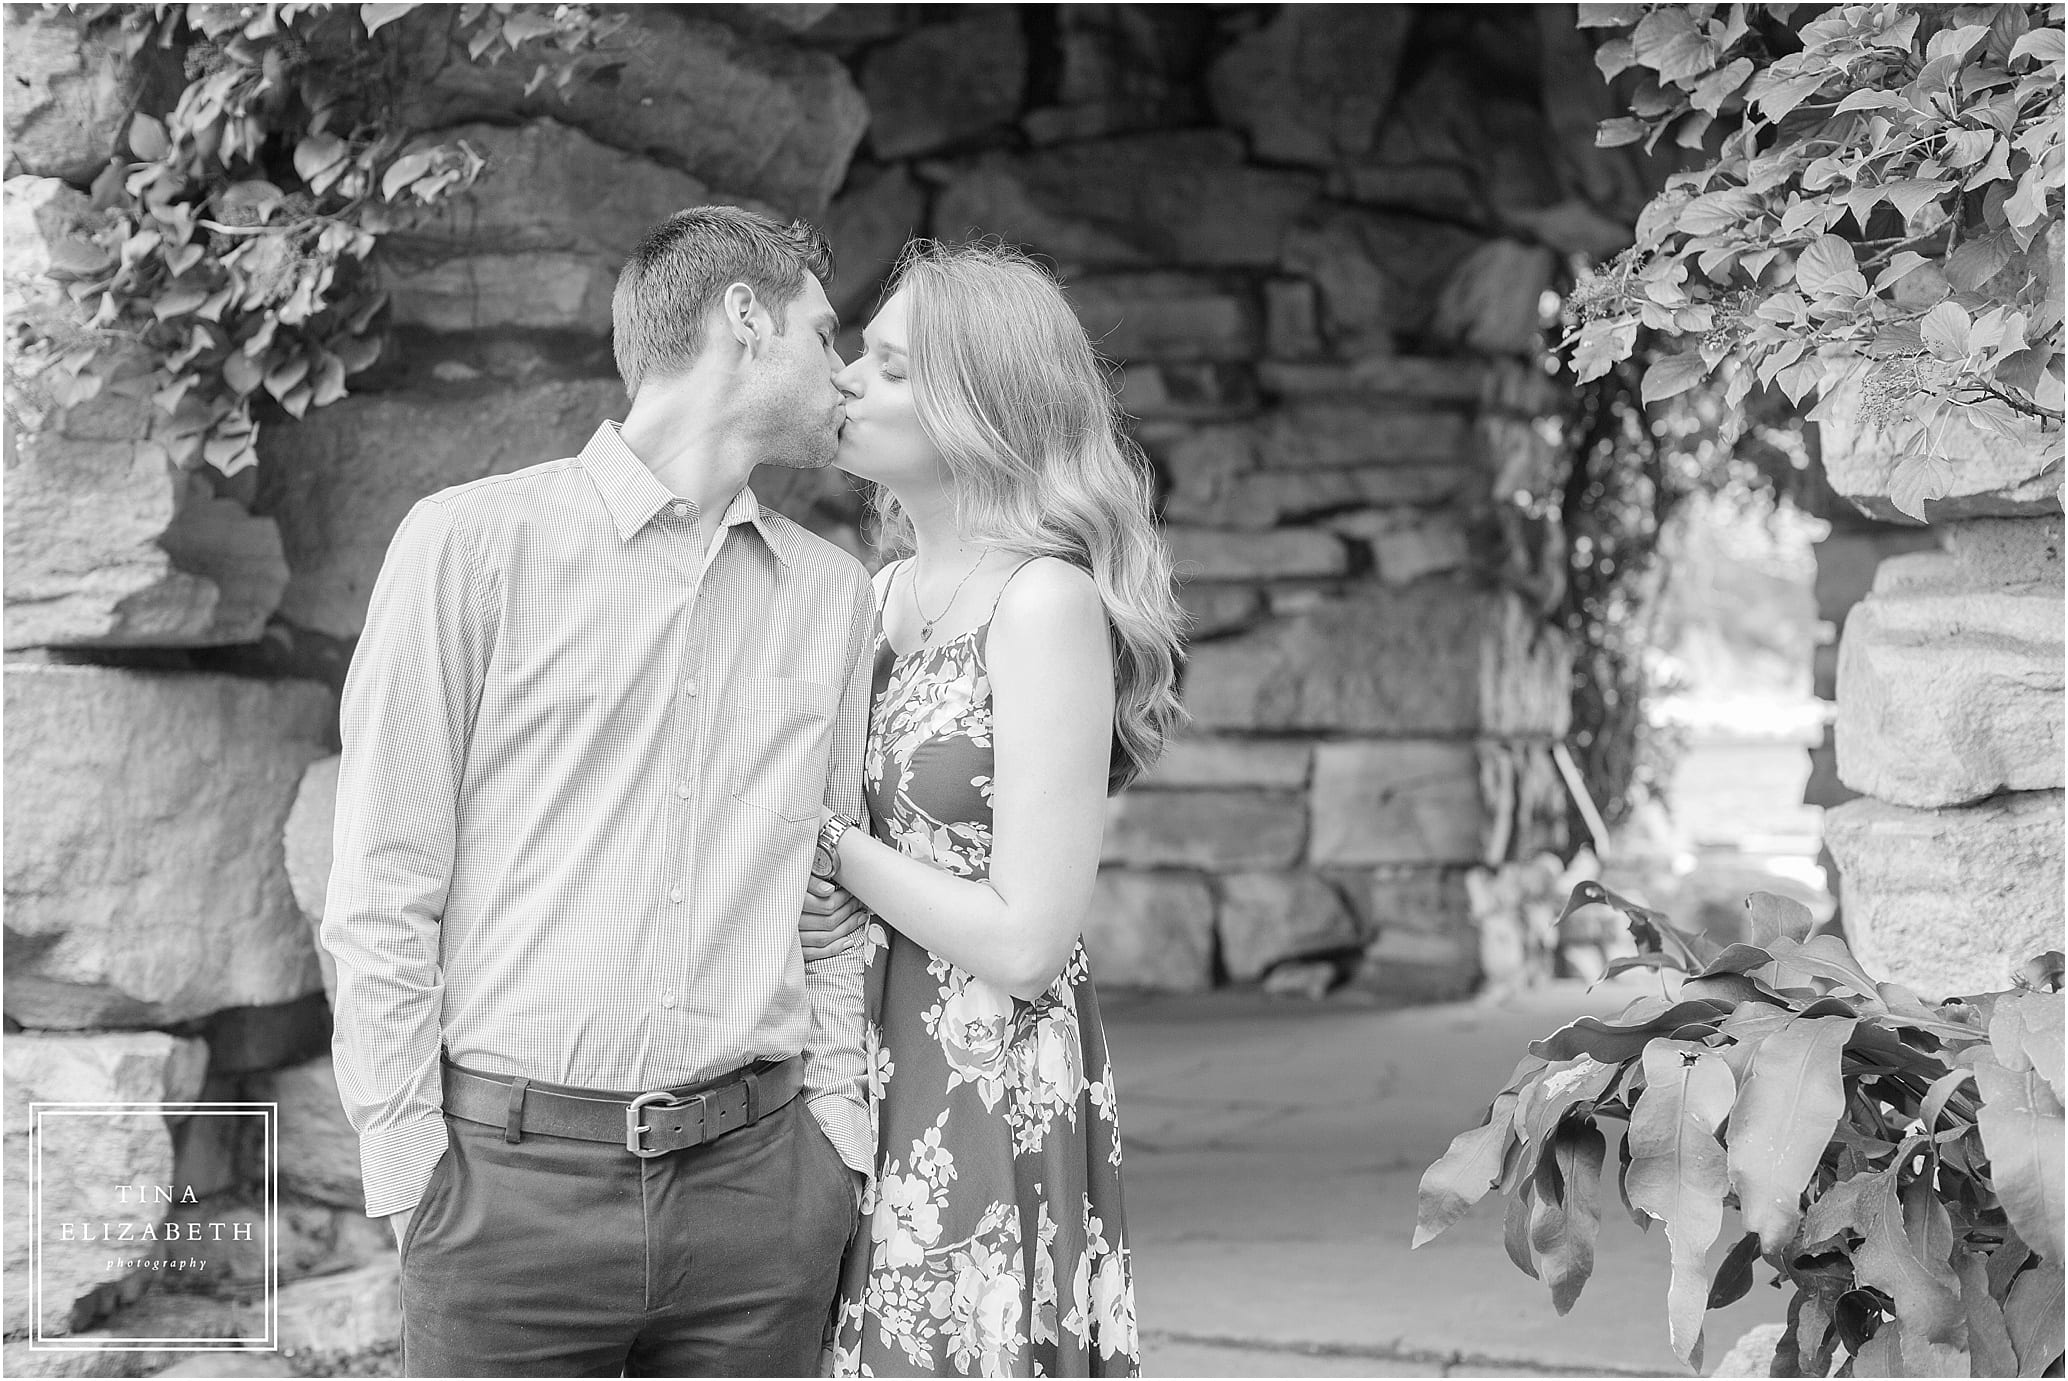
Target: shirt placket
685, 762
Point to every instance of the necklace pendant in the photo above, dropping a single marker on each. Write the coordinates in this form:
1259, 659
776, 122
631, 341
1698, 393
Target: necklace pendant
926, 635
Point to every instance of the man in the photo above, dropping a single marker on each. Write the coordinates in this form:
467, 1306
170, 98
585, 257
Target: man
587, 734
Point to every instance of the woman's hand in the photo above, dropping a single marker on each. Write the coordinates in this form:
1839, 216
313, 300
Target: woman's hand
832, 921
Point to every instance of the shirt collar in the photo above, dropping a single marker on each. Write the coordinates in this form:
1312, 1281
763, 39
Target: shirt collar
632, 495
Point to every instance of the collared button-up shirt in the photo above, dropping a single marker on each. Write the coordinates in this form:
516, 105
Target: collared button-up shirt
583, 767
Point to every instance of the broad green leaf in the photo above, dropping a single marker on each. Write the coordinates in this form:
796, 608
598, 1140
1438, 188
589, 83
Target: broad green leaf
1912, 195
1774, 916
1614, 56
1734, 1275
1823, 956
1774, 96
1667, 41
1672, 375
1464, 1173
1901, 1260
1783, 1120
1988, 1339
1557, 1091
1738, 958
2032, 1316
1612, 1043
1678, 1173
1515, 1228
242, 373
2021, 1126
1713, 90
1564, 1226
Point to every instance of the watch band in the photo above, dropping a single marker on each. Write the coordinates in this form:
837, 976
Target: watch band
825, 854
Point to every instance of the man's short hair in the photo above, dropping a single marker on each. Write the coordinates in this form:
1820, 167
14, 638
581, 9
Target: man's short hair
682, 267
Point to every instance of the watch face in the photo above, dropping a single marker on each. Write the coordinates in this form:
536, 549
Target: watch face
821, 861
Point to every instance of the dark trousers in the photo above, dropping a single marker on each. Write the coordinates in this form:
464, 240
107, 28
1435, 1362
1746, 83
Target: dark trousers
556, 1257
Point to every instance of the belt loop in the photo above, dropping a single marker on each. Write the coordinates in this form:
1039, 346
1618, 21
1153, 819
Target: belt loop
513, 1123
753, 1083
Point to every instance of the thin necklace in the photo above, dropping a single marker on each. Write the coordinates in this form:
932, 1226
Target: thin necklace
926, 624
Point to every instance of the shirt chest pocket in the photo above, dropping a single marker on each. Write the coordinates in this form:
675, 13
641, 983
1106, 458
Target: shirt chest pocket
781, 731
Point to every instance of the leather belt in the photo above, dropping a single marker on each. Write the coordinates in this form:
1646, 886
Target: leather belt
646, 1124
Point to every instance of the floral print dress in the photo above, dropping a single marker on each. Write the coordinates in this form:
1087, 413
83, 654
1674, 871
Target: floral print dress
993, 1242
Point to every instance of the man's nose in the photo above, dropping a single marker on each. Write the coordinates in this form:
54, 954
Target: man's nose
845, 380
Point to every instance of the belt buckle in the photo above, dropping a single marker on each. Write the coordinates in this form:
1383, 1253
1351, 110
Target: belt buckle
634, 1128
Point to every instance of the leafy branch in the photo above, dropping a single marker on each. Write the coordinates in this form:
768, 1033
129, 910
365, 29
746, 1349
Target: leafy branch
1896, 1162
1921, 145
223, 267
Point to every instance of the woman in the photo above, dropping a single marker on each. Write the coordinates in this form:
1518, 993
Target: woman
1024, 671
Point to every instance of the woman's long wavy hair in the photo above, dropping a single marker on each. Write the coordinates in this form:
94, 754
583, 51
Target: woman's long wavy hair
1009, 390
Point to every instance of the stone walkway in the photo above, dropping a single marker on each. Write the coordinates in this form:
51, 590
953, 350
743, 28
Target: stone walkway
1273, 1152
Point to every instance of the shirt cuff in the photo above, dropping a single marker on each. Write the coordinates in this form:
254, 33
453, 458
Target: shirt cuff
396, 1163
846, 1124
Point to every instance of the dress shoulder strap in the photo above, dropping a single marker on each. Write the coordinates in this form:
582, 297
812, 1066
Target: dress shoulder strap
1000, 596
886, 581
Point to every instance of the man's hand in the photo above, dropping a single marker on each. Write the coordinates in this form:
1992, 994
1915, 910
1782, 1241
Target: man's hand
399, 1222
832, 921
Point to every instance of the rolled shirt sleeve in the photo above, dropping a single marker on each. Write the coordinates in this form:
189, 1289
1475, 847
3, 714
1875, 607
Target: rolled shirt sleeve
834, 1062
407, 713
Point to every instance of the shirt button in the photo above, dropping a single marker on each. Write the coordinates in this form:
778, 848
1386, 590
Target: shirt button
675, 894
689, 688
668, 998
682, 790
682, 510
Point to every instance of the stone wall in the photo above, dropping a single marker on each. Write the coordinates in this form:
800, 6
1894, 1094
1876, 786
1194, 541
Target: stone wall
1949, 726
1313, 240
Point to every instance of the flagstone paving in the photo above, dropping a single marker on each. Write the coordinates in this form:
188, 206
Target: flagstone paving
1273, 1149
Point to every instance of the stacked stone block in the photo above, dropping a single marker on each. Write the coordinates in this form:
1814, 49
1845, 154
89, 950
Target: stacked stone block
1949, 725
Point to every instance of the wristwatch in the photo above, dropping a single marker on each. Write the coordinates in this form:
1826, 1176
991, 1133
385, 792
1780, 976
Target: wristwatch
825, 856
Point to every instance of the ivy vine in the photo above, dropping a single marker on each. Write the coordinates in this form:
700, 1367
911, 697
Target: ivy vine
1878, 217
224, 268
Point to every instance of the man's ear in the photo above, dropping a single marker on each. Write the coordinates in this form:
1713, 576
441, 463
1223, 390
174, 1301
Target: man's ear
744, 316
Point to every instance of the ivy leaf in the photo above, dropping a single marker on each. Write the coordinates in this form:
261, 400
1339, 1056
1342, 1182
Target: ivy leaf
1614, 56
241, 372
1672, 375
1918, 480
2041, 45
2021, 1123
1784, 1118
147, 138
1775, 96
378, 17
405, 170
1608, 16
1826, 268
1622, 130
1945, 331
1601, 344
317, 154
1976, 262
1713, 90
1667, 41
